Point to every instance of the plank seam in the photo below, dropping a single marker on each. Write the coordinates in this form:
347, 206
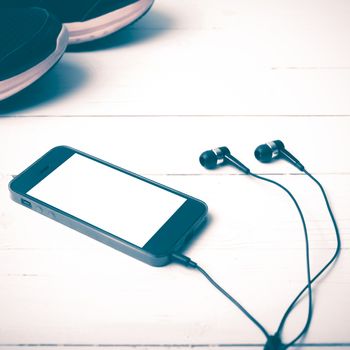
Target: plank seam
73, 345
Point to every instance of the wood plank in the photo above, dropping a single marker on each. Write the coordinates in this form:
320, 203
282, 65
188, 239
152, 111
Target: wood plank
172, 145
190, 57
168, 347
236, 197
59, 289
55, 278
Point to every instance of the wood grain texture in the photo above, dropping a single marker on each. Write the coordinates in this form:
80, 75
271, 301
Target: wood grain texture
168, 347
189, 76
172, 145
62, 287
203, 57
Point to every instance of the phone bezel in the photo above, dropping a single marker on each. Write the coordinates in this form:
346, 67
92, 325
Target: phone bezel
158, 249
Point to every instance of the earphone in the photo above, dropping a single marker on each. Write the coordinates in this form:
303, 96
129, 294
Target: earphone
266, 153
273, 150
221, 156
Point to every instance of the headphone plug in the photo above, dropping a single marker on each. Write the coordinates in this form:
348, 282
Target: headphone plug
184, 260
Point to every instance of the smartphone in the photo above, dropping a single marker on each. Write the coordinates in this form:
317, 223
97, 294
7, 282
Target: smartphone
133, 214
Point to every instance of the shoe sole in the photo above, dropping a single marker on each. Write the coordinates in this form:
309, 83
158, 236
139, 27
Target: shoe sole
19, 82
107, 24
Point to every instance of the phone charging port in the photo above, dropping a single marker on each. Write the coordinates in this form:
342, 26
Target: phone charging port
26, 203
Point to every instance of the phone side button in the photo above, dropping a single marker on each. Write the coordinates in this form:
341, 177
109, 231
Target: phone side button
38, 209
51, 214
26, 203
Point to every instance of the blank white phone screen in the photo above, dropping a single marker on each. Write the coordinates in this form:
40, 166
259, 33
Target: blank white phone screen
107, 198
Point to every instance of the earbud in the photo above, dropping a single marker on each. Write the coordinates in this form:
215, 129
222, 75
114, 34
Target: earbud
273, 150
213, 158
220, 156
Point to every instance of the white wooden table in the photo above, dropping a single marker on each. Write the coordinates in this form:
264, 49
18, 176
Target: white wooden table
189, 76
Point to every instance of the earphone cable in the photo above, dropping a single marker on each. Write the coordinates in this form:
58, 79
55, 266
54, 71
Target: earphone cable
266, 153
234, 301
308, 272
333, 258
186, 261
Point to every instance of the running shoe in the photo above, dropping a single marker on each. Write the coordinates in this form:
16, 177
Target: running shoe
31, 42
87, 20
